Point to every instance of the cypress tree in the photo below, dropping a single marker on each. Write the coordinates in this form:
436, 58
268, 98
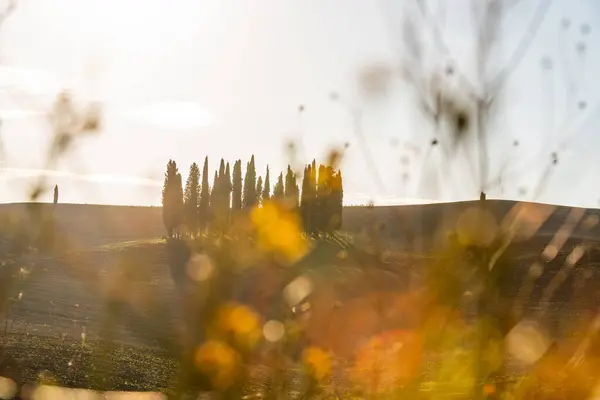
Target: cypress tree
245, 187
236, 201
192, 198
222, 168
55, 194
307, 199
227, 187
214, 199
266, 193
291, 188
249, 199
312, 206
204, 207
320, 205
220, 201
178, 209
338, 207
279, 189
228, 180
259, 188
169, 198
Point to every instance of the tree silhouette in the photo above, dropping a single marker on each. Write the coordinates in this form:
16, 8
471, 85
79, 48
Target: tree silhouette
279, 189
191, 199
214, 199
227, 187
321, 200
204, 202
178, 209
249, 195
167, 202
55, 194
337, 202
259, 188
266, 193
320, 220
236, 198
172, 198
221, 198
320, 206
308, 199
291, 188
304, 200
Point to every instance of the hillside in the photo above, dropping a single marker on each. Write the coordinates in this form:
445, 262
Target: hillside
91, 225
405, 224
60, 302
88, 225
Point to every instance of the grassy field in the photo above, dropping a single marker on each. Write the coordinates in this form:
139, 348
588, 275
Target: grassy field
113, 284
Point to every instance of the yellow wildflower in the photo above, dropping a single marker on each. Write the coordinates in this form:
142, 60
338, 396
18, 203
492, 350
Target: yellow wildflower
219, 361
242, 321
318, 361
279, 231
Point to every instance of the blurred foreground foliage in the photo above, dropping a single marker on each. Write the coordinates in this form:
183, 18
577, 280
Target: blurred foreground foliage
269, 311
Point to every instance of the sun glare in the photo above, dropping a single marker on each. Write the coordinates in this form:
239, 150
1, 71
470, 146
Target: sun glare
19, 173
30, 81
173, 115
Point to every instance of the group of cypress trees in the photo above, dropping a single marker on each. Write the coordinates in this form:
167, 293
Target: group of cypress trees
322, 198
199, 206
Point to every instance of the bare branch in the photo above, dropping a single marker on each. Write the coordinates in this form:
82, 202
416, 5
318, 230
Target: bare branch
511, 3
518, 55
441, 45
364, 146
10, 8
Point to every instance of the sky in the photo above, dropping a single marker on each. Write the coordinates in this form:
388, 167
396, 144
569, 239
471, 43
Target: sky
185, 79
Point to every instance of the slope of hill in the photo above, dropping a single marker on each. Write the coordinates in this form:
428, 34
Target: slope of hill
404, 224
103, 224
91, 225
63, 300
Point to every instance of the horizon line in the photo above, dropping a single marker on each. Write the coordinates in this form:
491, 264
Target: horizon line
433, 203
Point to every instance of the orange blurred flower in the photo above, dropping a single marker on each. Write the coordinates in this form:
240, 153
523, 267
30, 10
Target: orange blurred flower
489, 389
318, 362
388, 360
279, 230
242, 321
219, 361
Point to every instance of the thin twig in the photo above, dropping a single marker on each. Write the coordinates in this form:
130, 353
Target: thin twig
523, 46
356, 116
468, 87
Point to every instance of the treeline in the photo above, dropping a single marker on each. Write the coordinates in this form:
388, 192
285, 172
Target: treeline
199, 206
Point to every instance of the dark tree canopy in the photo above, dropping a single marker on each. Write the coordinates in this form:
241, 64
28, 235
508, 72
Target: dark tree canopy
309, 198
318, 204
236, 200
204, 202
221, 198
214, 194
249, 195
279, 190
172, 199
291, 188
266, 193
322, 199
227, 187
55, 201
259, 188
191, 199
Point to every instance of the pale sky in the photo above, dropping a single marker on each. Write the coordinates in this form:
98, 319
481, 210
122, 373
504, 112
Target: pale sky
182, 79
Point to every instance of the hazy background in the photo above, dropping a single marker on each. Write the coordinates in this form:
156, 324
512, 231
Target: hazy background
183, 79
